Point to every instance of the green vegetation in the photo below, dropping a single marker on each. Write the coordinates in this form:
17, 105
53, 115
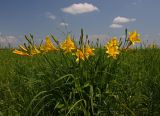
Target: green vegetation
54, 84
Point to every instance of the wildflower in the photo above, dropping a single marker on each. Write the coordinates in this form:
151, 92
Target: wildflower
113, 42
20, 53
89, 51
112, 48
48, 46
30, 51
112, 51
68, 45
22, 48
84, 53
80, 55
134, 37
34, 51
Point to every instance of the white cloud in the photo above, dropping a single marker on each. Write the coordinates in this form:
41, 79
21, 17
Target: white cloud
80, 8
6, 40
122, 20
63, 24
116, 26
50, 16
134, 3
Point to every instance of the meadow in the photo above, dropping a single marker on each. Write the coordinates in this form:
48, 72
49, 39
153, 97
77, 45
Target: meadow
57, 83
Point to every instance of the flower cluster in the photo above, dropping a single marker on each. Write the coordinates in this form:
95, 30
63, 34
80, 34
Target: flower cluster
32, 50
27, 51
82, 52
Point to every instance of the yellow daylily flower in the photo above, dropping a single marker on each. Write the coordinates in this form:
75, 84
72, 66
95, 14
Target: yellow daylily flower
80, 55
112, 48
84, 53
22, 48
68, 45
48, 46
27, 52
89, 51
113, 41
134, 37
112, 51
20, 53
34, 51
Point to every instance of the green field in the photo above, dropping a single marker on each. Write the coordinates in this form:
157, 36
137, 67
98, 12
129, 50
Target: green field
54, 84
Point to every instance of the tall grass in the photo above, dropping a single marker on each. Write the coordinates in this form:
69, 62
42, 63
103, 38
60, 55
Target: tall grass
54, 84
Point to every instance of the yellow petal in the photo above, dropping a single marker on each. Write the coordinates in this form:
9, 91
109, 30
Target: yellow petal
20, 53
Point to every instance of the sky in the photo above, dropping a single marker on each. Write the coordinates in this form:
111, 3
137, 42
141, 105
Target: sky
98, 18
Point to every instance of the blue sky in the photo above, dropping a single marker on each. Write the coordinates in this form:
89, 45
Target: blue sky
99, 18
